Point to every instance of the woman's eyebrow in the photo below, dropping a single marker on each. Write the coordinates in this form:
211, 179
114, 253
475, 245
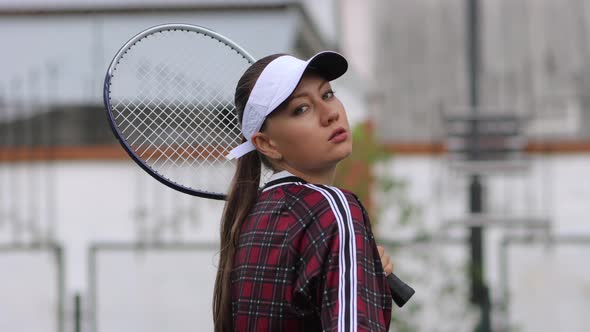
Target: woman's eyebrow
295, 96
303, 94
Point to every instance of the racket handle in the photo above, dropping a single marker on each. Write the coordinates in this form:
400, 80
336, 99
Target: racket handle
400, 291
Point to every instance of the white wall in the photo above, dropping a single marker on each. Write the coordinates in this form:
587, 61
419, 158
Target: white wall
86, 203
546, 283
116, 201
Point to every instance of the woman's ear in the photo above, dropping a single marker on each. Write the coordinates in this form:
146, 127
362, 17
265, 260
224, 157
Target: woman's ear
266, 146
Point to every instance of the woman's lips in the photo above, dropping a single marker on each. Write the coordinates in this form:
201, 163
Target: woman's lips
338, 135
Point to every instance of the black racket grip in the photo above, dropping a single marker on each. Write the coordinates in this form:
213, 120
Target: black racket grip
400, 291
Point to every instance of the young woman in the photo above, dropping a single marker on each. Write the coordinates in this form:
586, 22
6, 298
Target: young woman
299, 254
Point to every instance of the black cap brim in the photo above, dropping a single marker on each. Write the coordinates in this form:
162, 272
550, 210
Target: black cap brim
330, 65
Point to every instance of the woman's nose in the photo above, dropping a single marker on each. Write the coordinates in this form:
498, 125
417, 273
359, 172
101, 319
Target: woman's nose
329, 114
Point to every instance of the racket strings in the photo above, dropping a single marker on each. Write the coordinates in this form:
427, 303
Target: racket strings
180, 115
142, 131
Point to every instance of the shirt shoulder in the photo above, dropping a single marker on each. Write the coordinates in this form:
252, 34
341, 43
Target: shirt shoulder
311, 203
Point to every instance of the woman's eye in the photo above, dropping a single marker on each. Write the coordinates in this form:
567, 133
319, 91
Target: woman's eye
300, 109
329, 94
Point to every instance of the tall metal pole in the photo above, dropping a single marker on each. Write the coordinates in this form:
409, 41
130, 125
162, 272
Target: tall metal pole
51, 142
479, 290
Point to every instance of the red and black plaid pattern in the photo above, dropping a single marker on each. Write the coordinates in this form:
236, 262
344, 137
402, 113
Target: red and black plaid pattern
307, 261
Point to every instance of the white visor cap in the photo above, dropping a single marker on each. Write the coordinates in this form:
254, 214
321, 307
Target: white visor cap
275, 84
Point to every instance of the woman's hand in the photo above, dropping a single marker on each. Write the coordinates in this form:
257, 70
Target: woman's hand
385, 260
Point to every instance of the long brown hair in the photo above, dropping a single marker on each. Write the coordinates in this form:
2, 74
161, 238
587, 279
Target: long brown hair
240, 200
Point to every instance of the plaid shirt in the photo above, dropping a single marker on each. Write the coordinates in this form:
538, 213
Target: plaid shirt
307, 261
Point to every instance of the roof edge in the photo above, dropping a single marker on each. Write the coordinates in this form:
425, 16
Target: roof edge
143, 8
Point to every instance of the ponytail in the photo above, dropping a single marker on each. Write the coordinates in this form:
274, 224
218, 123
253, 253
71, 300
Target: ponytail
240, 200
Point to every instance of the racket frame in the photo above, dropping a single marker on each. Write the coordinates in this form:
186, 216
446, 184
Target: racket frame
106, 95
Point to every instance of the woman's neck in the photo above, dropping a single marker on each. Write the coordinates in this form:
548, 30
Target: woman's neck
325, 177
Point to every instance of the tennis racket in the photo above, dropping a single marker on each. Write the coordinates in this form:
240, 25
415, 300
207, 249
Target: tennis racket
169, 95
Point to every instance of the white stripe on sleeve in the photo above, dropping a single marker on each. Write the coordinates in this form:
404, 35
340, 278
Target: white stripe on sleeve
347, 286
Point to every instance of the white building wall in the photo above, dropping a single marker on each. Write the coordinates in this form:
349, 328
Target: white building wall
114, 201
536, 284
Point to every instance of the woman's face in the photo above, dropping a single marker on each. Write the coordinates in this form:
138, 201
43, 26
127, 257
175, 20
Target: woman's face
309, 132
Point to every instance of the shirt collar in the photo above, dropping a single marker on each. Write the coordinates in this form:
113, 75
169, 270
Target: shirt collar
282, 178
